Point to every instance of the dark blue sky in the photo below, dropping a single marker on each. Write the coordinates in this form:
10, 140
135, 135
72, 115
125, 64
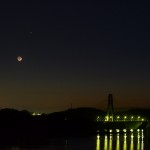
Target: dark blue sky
74, 52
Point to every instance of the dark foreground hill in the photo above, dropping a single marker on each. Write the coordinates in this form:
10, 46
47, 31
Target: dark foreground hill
24, 128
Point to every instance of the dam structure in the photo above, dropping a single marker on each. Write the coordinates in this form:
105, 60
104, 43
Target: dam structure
119, 121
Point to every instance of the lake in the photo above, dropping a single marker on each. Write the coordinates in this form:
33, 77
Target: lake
132, 140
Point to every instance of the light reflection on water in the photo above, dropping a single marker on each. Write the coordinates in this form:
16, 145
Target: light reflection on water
113, 141
121, 141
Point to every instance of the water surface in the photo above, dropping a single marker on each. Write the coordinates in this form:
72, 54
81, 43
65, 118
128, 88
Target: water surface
133, 140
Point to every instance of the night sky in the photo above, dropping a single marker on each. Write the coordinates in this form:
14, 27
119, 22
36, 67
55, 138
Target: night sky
74, 53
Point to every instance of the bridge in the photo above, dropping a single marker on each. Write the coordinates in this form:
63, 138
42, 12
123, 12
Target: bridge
120, 120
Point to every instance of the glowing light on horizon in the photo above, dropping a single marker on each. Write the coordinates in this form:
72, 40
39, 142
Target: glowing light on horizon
36, 114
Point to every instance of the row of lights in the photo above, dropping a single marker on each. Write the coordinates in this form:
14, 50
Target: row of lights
125, 118
132, 117
124, 130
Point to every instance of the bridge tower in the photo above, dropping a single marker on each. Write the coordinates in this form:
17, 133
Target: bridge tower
110, 109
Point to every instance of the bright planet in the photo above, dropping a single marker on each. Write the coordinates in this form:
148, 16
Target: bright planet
19, 58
